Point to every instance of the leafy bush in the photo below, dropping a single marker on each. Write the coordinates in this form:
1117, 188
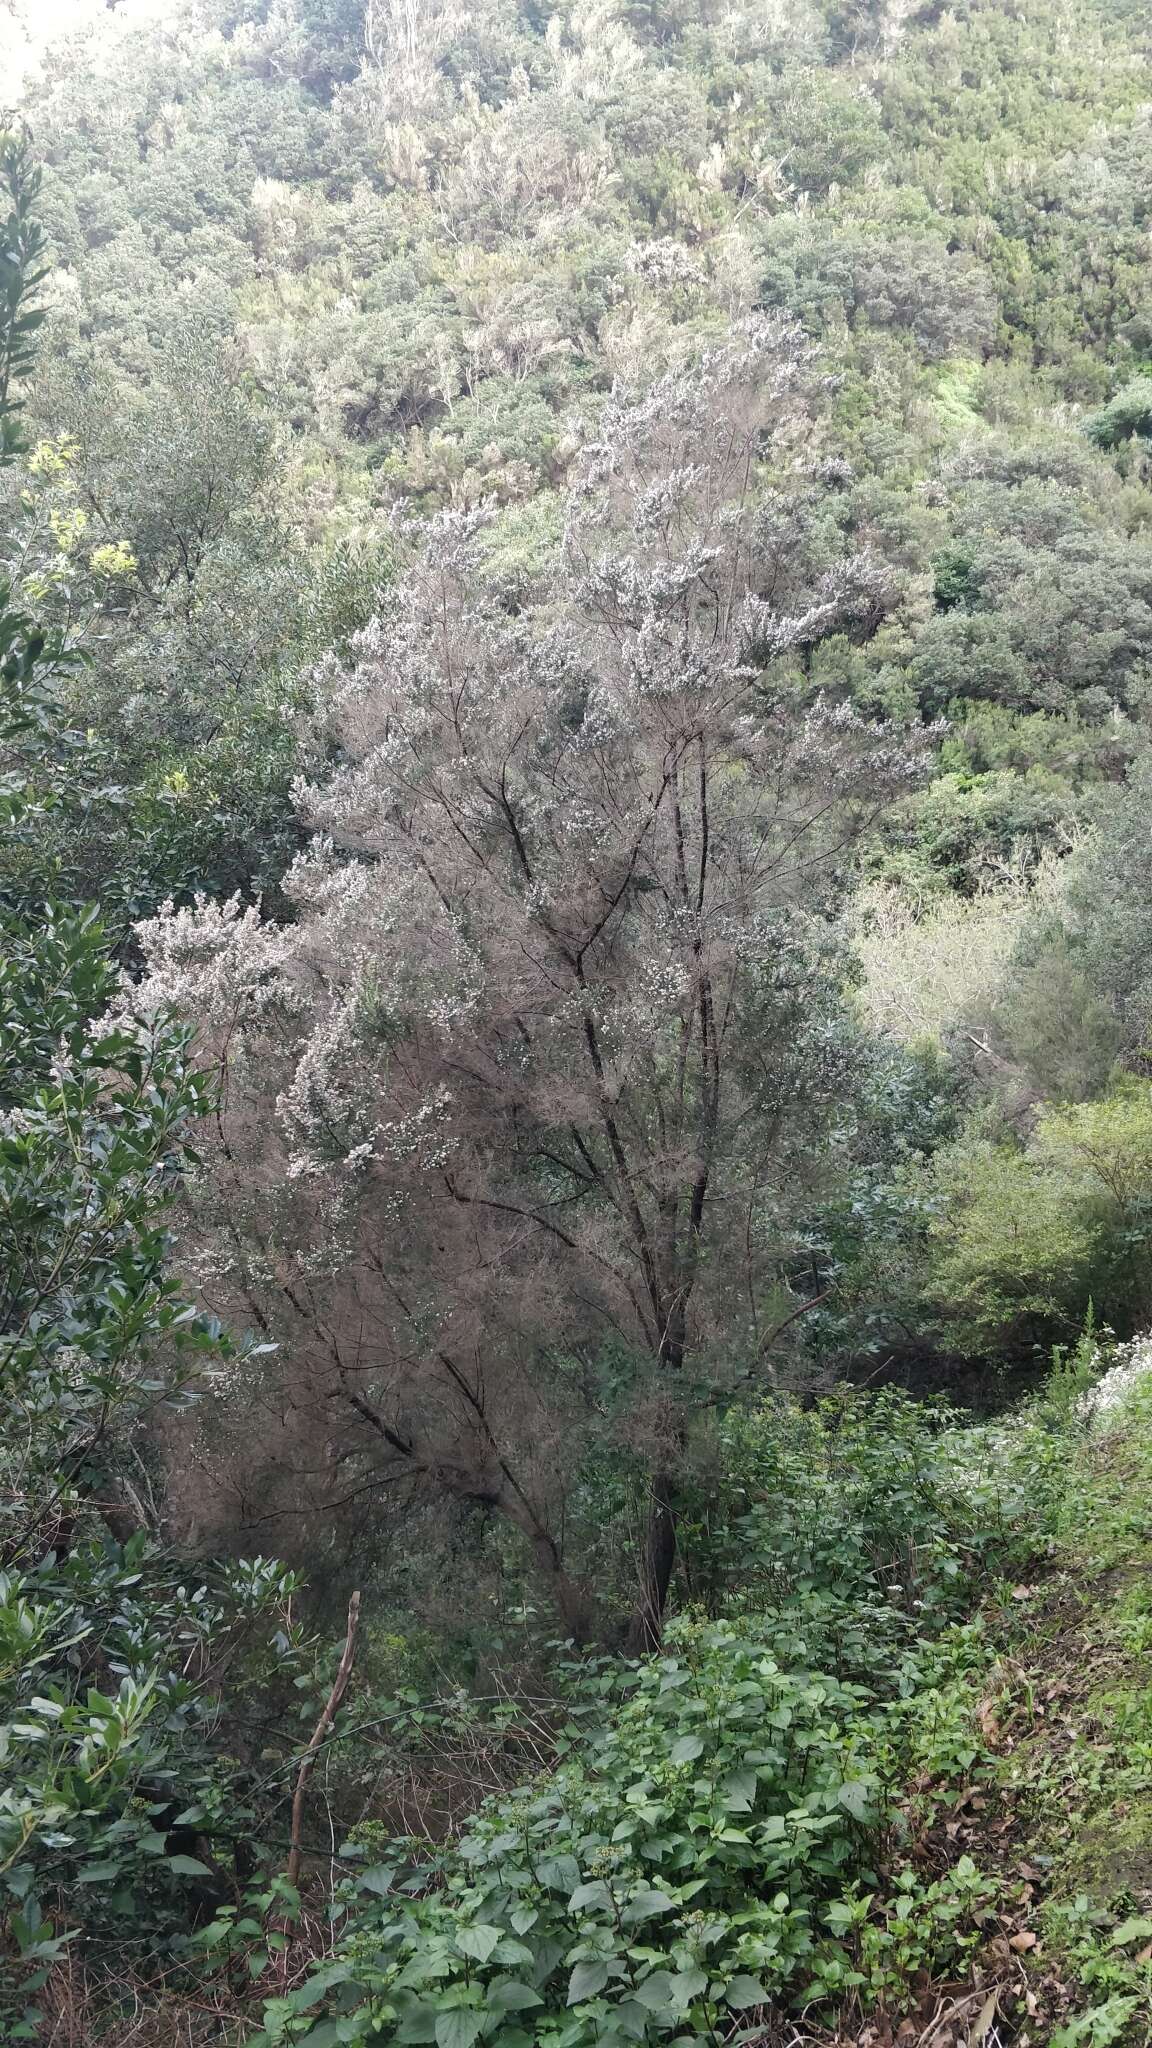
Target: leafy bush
1128, 414
108, 1727
1025, 1238
108, 1707
1109, 903
689, 1864
849, 1529
711, 1842
108, 1656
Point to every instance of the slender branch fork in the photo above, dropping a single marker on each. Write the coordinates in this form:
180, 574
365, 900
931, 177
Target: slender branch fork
308, 1761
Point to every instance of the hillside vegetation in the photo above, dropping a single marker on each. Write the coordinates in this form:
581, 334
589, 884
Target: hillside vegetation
575, 1020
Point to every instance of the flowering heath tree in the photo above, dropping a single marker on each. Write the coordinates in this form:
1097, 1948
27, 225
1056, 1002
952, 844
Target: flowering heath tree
530, 1065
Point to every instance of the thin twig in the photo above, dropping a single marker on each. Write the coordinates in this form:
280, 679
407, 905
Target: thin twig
339, 1687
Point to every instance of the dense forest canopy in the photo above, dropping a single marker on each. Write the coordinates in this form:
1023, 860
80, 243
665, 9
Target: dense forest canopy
575, 1017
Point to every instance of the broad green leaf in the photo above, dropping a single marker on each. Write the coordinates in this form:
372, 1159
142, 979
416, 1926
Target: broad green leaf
687, 1985
513, 1952
418, 2023
632, 2019
656, 1991
595, 1894
477, 1941
686, 1750
307, 1994
507, 1995
856, 1798
216, 1931
586, 1980
646, 1904
458, 2028
1138, 1929
743, 1991
738, 1791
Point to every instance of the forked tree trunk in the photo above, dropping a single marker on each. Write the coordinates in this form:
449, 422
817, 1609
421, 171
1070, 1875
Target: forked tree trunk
492, 1483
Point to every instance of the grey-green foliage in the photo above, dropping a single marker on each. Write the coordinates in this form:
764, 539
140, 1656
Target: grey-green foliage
104, 1722
1129, 413
430, 270
910, 284
170, 467
1053, 1025
1042, 595
22, 271
195, 672
1110, 899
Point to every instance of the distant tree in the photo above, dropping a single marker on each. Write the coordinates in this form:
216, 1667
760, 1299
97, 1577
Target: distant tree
1053, 1027
1109, 907
1023, 1240
1126, 415
170, 467
927, 967
23, 273
206, 611
909, 284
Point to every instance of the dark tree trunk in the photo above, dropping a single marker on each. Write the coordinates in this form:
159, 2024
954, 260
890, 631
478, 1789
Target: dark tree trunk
658, 1560
646, 1628
573, 1603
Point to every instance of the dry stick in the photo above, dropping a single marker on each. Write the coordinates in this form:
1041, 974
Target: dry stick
339, 1688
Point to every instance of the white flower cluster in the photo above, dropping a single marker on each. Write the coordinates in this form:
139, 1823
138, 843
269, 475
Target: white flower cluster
1132, 1369
319, 1109
663, 262
212, 962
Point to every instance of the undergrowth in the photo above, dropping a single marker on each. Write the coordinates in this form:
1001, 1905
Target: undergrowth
891, 1773
729, 1829
1074, 1762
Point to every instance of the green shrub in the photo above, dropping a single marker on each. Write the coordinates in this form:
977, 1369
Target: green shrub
696, 1859
1128, 414
712, 1840
1024, 1238
849, 1529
